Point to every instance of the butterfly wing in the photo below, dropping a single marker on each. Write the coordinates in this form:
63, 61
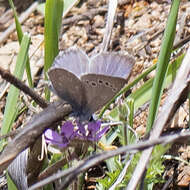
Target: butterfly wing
73, 60
67, 87
65, 75
99, 89
112, 64
107, 75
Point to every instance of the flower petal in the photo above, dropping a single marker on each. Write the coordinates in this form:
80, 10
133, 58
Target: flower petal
67, 129
52, 135
94, 126
101, 133
54, 138
81, 129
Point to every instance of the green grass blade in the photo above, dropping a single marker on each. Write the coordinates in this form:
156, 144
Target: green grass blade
144, 93
53, 17
163, 61
20, 35
11, 101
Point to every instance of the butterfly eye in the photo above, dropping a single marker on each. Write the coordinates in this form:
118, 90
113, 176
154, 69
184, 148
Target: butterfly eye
93, 84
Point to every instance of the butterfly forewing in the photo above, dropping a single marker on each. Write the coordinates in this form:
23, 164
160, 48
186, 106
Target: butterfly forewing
67, 87
73, 60
112, 64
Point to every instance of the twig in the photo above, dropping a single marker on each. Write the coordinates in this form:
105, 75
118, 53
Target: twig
19, 84
180, 43
54, 113
4, 90
167, 183
90, 14
52, 169
55, 167
170, 157
22, 18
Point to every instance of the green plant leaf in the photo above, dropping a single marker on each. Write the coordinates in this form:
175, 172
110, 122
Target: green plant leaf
53, 17
10, 183
20, 36
12, 98
163, 61
144, 93
68, 4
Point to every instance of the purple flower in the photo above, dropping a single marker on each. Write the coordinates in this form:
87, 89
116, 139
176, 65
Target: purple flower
61, 140
68, 132
94, 133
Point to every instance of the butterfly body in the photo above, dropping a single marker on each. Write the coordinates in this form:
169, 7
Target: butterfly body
88, 83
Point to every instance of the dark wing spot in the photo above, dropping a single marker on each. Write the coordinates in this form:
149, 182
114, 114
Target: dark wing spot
87, 81
100, 81
106, 83
114, 89
93, 84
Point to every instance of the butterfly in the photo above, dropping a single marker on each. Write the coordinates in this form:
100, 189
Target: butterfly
88, 83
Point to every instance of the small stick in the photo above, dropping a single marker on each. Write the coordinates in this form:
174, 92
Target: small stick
84, 16
20, 85
91, 13
22, 18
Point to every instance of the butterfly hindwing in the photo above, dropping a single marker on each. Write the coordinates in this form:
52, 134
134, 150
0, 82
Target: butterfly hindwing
99, 89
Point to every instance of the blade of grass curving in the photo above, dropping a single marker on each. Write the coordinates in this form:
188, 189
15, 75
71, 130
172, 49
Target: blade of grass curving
12, 98
144, 93
163, 61
53, 17
20, 35
10, 183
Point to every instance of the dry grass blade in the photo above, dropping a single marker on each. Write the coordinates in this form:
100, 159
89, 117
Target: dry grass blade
109, 25
22, 18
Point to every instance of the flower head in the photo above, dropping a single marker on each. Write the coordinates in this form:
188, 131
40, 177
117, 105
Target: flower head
91, 132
